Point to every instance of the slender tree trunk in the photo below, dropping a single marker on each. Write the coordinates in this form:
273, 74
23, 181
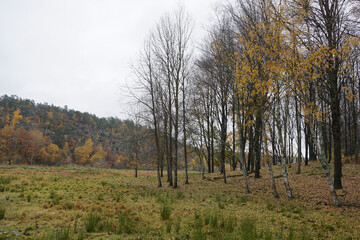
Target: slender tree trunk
258, 140
223, 143
251, 150
273, 183
242, 148
356, 136
208, 144
298, 128
325, 165
162, 164
184, 132
283, 156
202, 159
233, 136
306, 145
176, 130
212, 146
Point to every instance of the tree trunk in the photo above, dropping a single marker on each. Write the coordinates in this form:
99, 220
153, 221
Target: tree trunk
298, 128
184, 132
273, 183
258, 138
325, 165
336, 130
242, 149
283, 155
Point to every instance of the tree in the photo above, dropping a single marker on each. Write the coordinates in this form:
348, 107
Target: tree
164, 68
82, 154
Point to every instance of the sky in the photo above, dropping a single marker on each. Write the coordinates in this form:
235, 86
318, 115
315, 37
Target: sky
78, 53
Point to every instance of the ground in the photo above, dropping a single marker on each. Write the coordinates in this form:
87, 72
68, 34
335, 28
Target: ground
83, 203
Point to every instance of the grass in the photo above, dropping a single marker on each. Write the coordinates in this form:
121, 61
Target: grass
81, 203
91, 221
2, 213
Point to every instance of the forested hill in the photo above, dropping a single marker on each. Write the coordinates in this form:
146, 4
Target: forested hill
33, 133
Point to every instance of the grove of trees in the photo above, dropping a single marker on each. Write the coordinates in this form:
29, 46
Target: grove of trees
273, 83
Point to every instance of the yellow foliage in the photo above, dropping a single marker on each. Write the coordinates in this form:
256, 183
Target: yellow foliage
99, 155
16, 118
82, 154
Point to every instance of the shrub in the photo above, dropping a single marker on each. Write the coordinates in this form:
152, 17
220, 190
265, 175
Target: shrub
91, 221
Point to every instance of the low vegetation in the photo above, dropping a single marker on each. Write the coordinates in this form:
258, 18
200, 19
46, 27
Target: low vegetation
64, 203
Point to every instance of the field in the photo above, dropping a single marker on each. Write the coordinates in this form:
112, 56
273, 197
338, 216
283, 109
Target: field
84, 203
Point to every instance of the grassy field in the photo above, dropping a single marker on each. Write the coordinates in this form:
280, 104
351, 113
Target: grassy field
83, 203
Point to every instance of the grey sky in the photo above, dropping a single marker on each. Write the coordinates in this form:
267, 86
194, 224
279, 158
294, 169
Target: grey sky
78, 52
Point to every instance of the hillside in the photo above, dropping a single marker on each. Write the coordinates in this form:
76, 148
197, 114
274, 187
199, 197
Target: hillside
34, 133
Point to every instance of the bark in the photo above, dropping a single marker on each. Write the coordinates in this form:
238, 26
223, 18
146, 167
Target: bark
283, 155
258, 136
325, 165
242, 150
273, 183
335, 113
298, 128
184, 132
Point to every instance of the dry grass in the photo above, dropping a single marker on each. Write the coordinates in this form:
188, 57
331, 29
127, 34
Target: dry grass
43, 202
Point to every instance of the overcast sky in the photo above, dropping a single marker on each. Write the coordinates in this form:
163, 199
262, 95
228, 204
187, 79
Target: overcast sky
78, 52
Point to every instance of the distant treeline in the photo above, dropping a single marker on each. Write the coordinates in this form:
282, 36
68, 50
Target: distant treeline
33, 133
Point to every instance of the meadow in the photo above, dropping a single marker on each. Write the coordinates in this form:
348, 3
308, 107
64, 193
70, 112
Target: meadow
84, 203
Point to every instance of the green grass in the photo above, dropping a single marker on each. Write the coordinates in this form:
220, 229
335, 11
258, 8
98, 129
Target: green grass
2, 213
81, 203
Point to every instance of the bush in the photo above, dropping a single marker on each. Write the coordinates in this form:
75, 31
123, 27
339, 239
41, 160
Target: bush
91, 221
